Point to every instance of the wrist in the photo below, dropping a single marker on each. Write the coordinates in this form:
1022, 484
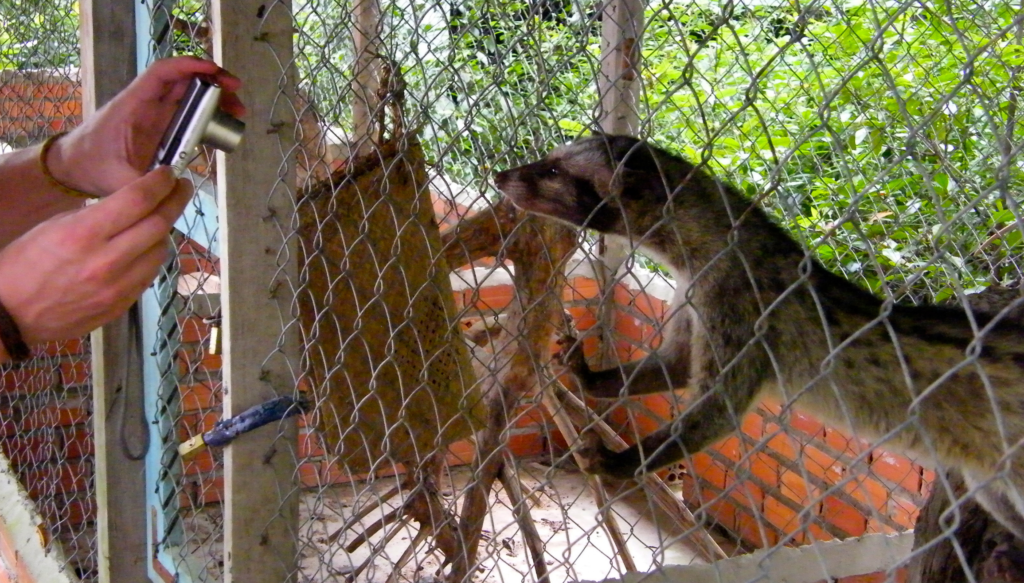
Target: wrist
60, 173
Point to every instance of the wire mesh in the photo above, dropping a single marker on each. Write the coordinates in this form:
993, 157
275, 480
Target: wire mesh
46, 403
882, 135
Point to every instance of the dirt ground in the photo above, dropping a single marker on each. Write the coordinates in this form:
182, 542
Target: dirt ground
576, 547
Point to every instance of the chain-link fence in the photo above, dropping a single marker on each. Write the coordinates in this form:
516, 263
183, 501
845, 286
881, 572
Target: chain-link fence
46, 403
441, 437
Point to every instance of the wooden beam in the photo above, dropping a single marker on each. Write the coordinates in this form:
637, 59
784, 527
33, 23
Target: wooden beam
622, 22
822, 561
366, 76
108, 46
256, 200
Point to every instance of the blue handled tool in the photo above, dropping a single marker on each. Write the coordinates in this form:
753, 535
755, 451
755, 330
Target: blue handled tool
226, 430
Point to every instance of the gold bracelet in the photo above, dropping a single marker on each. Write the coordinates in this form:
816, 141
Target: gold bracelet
50, 141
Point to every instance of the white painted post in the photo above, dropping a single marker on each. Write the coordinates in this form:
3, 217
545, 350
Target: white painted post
256, 202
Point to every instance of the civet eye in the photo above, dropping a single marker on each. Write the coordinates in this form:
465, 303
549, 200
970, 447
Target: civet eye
553, 171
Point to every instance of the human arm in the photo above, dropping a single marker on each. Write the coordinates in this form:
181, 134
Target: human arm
112, 148
80, 269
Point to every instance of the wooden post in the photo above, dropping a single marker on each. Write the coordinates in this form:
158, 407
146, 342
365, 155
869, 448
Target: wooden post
618, 87
366, 76
108, 45
256, 201
619, 84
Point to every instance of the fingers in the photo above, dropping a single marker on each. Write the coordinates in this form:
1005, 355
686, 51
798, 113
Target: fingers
153, 228
132, 203
168, 78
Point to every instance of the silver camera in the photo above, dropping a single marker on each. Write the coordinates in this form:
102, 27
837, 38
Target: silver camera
198, 121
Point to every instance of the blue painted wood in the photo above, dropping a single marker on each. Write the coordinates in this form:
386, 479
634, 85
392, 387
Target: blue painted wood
199, 222
160, 335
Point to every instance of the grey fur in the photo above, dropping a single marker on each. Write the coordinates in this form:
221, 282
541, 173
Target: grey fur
757, 314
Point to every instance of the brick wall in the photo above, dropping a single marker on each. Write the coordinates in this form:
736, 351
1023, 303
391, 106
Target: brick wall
38, 104
45, 432
783, 475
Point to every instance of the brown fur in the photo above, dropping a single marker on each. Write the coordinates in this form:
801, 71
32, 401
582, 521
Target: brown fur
754, 313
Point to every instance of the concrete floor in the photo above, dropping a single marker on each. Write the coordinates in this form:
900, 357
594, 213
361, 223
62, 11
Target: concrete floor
576, 547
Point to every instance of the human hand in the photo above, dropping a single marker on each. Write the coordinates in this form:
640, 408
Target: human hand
75, 272
116, 145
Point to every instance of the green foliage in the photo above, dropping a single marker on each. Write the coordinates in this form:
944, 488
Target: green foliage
876, 132
39, 34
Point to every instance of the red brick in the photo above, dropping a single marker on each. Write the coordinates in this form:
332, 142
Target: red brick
65, 514
849, 447
77, 443
793, 487
764, 468
650, 306
192, 329
198, 397
8, 423
531, 416
647, 422
192, 425
203, 491
29, 448
28, 380
782, 516
584, 317
630, 328
309, 474
190, 245
310, 445
903, 511
622, 295
781, 442
199, 463
72, 347
806, 424
719, 507
197, 359
750, 529
869, 491
730, 448
897, 469
527, 444
63, 478
822, 465
495, 297
75, 372
747, 494
53, 415
581, 288
815, 533
753, 425
844, 516
707, 469
461, 452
